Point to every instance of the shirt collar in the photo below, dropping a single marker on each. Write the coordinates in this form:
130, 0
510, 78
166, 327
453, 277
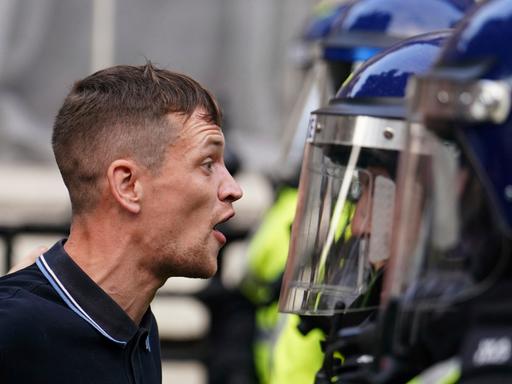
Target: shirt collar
84, 297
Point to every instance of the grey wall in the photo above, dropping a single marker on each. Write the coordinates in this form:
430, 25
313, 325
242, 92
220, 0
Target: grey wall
237, 48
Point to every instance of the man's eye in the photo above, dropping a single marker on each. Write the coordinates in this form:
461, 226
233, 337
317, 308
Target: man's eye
208, 165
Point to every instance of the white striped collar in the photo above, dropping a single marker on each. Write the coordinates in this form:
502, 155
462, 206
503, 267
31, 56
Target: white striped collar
84, 297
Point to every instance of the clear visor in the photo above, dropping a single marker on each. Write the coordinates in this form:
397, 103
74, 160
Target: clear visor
315, 92
319, 85
342, 229
447, 246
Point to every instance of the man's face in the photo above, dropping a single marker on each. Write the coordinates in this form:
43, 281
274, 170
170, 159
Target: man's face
186, 200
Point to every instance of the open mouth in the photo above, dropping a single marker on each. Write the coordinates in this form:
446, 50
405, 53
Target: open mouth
218, 226
221, 238
223, 220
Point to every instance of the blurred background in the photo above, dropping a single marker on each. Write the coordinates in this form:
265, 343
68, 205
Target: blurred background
244, 51
239, 49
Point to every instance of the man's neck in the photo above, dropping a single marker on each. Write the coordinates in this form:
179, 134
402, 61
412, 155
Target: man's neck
112, 262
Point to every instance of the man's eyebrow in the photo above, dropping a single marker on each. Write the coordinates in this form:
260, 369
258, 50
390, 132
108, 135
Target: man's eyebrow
215, 141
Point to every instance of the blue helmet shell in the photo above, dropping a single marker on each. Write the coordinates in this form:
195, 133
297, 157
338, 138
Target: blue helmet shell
386, 74
484, 35
377, 88
482, 41
369, 26
321, 21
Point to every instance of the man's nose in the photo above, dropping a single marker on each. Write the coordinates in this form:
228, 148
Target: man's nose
230, 190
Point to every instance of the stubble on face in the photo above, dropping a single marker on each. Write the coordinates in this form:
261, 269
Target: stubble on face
194, 261
184, 245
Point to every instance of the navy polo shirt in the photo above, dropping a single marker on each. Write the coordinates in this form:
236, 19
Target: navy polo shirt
58, 326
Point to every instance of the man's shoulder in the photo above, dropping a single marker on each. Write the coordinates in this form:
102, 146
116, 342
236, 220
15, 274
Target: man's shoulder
27, 279
22, 296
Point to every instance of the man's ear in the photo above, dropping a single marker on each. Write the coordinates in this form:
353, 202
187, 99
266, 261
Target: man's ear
125, 184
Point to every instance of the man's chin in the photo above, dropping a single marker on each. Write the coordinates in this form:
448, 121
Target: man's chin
206, 275
204, 271
199, 264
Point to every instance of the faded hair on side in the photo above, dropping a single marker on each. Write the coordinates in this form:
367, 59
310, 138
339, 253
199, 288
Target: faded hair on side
117, 112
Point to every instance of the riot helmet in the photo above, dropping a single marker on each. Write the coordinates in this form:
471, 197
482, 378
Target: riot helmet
316, 89
341, 233
454, 222
369, 26
339, 36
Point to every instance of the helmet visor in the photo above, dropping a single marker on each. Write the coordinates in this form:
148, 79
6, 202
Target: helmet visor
316, 91
447, 245
342, 229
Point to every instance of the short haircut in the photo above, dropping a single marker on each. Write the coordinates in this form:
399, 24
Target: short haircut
122, 111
